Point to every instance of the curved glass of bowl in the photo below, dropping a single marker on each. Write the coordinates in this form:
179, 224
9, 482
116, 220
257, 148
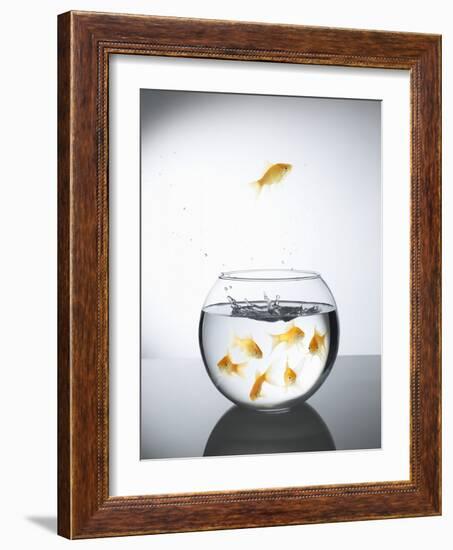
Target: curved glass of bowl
269, 338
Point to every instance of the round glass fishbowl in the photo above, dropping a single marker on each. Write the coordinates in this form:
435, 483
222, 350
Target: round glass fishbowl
269, 338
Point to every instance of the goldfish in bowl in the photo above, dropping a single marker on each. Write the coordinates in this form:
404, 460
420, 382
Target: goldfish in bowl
269, 354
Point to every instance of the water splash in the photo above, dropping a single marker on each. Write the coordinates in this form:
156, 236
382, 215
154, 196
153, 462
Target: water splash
270, 309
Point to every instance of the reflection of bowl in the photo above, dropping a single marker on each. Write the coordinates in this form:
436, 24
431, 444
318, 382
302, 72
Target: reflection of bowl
245, 431
269, 338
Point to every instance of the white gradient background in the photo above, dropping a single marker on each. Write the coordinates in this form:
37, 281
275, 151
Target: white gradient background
200, 217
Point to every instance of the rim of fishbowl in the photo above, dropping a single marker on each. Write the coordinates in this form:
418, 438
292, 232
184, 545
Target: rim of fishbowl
272, 274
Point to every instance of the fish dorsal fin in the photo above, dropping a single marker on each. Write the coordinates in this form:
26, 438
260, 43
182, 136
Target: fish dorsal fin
267, 166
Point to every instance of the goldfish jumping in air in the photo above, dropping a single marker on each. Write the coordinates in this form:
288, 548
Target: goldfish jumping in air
257, 387
293, 335
226, 365
317, 343
274, 174
248, 346
289, 376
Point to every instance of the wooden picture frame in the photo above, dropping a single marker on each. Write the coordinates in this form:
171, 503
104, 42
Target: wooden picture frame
85, 42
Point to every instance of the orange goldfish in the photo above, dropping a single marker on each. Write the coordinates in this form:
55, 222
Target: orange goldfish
226, 365
292, 336
272, 175
289, 376
257, 387
248, 346
317, 343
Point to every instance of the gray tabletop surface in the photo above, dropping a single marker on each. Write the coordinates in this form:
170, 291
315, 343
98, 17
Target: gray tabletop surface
184, 415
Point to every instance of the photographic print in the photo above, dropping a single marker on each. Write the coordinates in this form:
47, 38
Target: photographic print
249, 250
260, 274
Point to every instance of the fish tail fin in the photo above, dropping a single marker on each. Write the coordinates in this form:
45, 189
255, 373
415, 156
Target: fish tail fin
267, 374
256, 187
253, 394
223, 361
275, 340
240, 369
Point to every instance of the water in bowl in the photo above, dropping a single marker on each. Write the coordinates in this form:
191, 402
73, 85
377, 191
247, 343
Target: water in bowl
269, 354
